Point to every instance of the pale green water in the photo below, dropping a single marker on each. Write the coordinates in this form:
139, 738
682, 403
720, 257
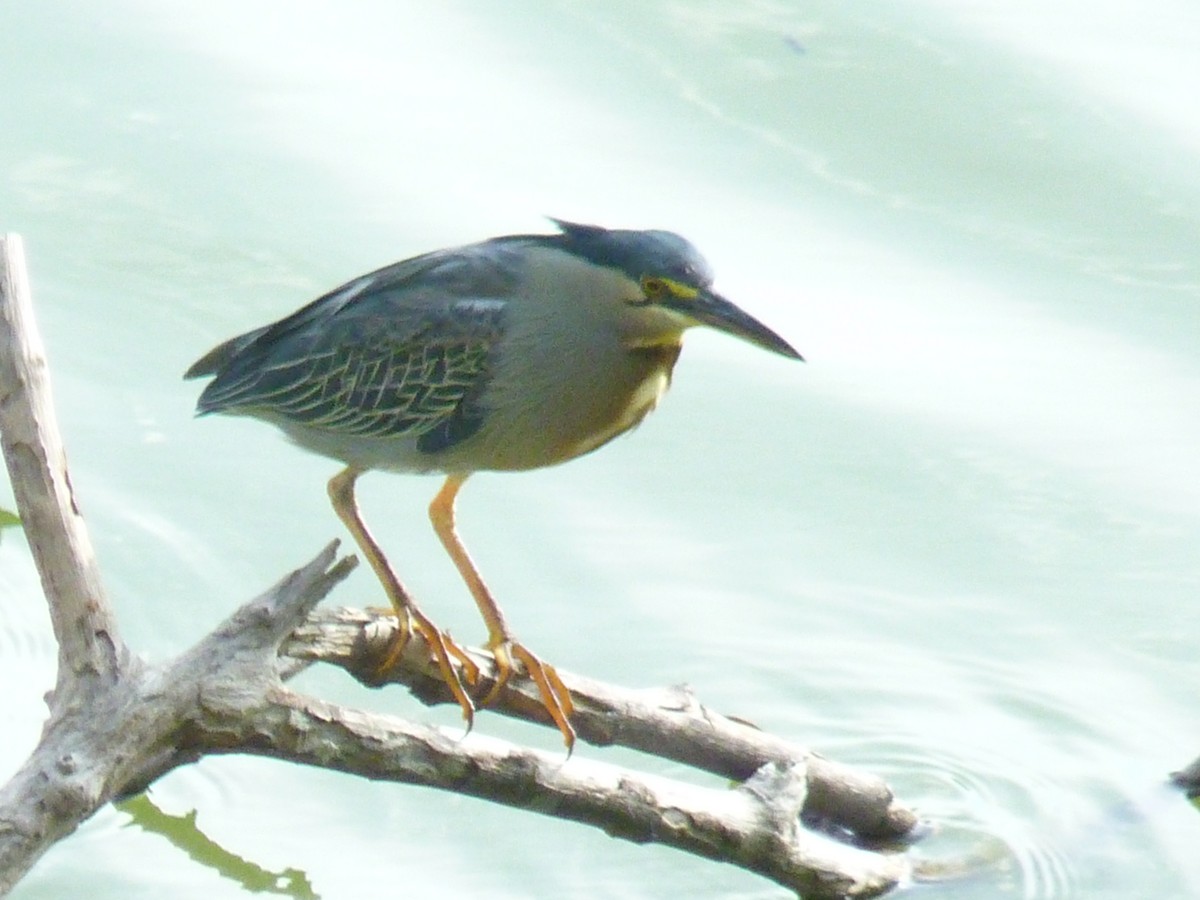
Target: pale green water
958, 547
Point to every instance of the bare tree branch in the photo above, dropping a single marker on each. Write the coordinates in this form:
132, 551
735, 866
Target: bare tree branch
755, 825
88, 642
142, 726
117, 724
668, 723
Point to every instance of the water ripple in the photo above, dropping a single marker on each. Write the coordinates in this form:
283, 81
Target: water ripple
988, 832
1038, 782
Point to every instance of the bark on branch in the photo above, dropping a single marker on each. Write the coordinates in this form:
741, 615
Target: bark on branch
83, 622
116, 724
666, 722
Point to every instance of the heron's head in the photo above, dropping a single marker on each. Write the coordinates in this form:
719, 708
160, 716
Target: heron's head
669, 284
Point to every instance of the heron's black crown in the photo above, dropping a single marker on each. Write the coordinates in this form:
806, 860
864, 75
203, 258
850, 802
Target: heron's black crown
636, 253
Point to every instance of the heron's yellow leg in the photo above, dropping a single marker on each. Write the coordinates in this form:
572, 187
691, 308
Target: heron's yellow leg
507, 651
341, 494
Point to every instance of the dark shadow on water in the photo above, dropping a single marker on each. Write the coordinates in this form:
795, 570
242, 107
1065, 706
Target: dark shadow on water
183, 832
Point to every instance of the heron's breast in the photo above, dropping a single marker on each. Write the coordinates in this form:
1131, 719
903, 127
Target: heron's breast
638, 404
572, 413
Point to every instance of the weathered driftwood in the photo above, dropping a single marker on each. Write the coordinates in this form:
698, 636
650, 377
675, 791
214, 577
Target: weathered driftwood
116, 723
669, 723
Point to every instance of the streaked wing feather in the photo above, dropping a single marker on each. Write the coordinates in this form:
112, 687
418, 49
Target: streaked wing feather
388, 385
401, 351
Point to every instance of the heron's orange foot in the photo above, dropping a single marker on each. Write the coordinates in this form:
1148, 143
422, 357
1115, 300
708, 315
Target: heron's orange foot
441, 648
514, 657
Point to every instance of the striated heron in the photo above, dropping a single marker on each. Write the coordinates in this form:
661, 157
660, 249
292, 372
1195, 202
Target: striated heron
509, 354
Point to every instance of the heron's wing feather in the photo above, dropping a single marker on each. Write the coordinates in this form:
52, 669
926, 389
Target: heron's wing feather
390, 380
404, 350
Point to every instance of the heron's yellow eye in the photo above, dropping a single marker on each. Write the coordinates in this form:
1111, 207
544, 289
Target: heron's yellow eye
657, 289
654, 288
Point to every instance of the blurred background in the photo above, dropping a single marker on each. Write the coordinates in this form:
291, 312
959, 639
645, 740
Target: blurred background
957, 547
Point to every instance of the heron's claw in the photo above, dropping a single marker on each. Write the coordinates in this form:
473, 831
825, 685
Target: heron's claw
514, 657
442, 647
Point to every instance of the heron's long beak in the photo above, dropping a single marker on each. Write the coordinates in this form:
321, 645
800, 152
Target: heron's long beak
710, 308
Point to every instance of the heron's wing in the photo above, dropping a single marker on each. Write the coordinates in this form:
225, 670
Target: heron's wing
402, 351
